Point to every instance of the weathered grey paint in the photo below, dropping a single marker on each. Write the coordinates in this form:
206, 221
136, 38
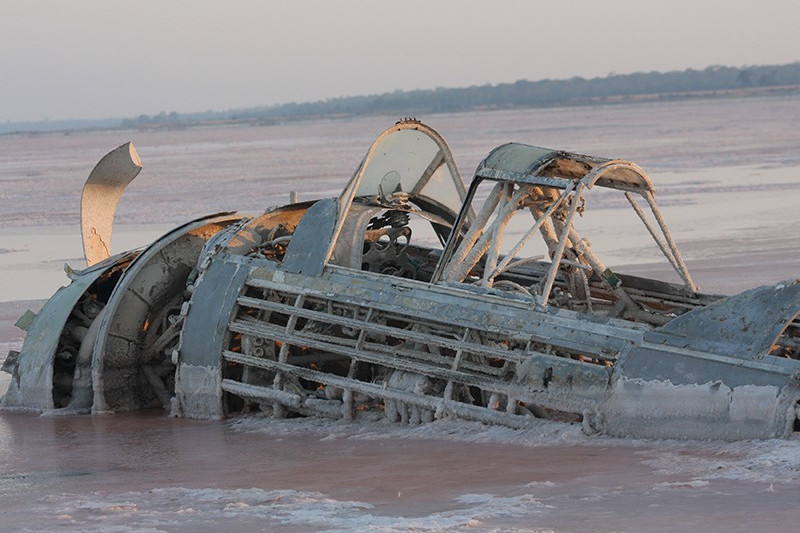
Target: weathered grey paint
744, 326
157, 276
205, 328
308, 249
31, 384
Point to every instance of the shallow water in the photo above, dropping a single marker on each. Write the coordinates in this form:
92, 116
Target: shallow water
727, 174
146, 472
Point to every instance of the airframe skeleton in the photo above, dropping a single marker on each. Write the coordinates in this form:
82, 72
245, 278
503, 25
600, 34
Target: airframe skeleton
327, 308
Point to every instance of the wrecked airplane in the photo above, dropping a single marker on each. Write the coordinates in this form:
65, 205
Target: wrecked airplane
413, 298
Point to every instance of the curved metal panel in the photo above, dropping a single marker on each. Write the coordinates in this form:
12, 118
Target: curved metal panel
152, 289
100, 197
554, 168
31, 384
198, 392
745, 325
308, 249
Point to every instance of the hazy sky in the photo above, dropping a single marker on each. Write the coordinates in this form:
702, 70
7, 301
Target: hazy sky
103, 58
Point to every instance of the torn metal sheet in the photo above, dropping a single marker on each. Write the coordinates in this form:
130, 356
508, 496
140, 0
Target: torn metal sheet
43, 371
414, 298
100, 197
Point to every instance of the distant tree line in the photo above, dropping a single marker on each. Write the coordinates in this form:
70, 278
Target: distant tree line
522, 93
712, 81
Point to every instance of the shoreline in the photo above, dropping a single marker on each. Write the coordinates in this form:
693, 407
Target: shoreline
128, 124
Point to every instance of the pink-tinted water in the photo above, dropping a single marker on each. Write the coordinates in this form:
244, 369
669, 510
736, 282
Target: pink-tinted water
728, 182
136, 472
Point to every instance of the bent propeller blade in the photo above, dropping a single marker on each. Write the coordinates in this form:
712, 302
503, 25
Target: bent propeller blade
100, 197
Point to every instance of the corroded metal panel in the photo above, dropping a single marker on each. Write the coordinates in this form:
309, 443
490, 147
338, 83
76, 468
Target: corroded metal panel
31, 384
141, 320
308, 249
709, 410
100, 197
205, 329
745, 325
